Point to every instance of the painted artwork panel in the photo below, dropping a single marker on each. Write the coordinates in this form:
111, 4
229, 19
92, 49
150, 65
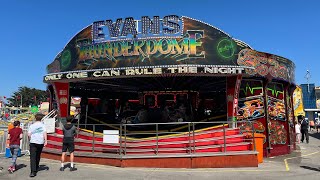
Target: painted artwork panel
250, 88
249, 109
275, 90
277, 132
276, 109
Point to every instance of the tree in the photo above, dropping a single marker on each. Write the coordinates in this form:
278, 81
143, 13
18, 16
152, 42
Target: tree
30, 96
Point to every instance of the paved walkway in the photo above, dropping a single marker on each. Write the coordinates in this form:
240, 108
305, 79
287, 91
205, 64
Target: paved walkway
301, 164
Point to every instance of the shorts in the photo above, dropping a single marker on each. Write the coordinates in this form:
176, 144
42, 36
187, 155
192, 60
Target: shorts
68, 146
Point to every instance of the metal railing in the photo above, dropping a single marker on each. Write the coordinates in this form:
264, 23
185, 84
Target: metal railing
152, 135
51, 114
24, 143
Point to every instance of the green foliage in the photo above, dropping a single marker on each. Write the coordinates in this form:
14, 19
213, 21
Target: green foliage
30, 96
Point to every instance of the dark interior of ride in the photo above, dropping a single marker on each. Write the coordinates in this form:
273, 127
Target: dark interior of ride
139, 101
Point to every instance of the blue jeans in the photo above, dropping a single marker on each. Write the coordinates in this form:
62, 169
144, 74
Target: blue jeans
14, 152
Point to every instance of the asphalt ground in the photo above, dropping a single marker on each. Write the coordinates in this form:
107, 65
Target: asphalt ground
302, 164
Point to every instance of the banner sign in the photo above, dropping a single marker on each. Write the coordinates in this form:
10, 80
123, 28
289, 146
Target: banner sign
162, 41
298, 102
50, 124
62, 96
233, 86
118, 72
110, 136
149, 41
236, 96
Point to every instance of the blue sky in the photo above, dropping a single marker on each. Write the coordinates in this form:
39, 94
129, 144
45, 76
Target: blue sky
33, 32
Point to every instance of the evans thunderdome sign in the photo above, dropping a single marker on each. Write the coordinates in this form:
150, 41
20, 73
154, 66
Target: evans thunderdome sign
160, 45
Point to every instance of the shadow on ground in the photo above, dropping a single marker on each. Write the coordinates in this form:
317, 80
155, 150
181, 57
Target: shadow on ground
43, 168
68, 166
315, 135
310, 168
20, 166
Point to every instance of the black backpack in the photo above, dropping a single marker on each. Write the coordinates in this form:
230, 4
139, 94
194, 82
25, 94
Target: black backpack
304, 124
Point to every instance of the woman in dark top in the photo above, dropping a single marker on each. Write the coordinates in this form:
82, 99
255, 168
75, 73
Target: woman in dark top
14, 136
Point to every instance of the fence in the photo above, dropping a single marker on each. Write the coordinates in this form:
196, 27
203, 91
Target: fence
154, 132
24, 143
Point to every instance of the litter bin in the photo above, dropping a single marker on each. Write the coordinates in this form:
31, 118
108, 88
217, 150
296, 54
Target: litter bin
258, 139
8, 153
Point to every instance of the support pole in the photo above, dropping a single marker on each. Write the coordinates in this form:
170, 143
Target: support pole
157, 139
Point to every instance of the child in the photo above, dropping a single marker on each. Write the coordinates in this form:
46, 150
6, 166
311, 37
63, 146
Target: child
14, 136
298, 132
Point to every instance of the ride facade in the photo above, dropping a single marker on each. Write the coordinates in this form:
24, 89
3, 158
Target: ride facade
173, 69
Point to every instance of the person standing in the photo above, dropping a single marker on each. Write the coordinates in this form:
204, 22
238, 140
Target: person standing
69, 131
14, 137
298, 132
304, 130
317, 124
37, 134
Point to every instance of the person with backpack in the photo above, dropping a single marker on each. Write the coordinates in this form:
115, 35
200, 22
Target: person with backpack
69, 131
14, 137
304, 130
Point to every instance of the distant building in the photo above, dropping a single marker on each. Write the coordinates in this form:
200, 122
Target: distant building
317, 89
309, 100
